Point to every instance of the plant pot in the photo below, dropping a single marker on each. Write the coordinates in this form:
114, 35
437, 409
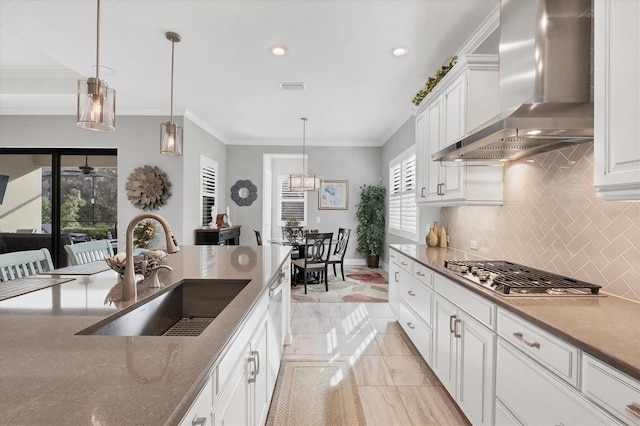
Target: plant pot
373, 260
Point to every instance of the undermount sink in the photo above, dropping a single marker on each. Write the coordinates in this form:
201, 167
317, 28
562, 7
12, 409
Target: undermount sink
184, 310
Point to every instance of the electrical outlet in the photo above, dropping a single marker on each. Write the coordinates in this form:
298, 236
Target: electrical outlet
474, 245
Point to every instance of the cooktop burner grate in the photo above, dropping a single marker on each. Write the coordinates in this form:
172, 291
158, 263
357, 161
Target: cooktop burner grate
507, 277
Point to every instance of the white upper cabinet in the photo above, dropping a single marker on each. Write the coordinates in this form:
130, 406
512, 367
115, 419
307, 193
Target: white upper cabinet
617, 99
465, 98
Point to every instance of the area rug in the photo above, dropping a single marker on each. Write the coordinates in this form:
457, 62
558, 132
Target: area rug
361, 285
310, 393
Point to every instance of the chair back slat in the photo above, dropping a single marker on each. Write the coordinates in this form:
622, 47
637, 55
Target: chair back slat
318, 248
89, 251
22, 264
342, 241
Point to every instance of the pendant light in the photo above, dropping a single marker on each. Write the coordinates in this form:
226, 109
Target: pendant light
303, 182
96, 108
170, 132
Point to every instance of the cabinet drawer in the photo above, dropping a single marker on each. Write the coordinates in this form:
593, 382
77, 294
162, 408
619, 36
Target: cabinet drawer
419, 334
615, 392
201, 408
405, 263
479, 308
393, 257
553, 353
535, 397
417, 295
423, 274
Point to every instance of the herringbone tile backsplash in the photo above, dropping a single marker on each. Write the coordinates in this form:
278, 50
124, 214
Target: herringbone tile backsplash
552, 220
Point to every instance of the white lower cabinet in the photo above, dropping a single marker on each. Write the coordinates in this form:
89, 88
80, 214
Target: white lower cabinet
245, 399
531, 395
237, 391
394, 280
200, 412
612, 390
463, 359
415, 301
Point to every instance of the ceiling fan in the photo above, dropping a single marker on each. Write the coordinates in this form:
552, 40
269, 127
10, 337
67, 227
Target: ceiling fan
86, 169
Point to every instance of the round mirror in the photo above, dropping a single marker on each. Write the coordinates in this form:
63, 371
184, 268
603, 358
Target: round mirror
244, 192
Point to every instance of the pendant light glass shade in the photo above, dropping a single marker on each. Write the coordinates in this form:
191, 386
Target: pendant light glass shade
304, 181
96, 109
170, 132
171, 142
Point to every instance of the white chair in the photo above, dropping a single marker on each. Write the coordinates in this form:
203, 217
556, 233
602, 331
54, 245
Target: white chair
21, 264
90, 251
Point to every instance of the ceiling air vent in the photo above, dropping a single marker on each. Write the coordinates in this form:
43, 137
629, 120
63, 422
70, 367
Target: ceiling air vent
292, 86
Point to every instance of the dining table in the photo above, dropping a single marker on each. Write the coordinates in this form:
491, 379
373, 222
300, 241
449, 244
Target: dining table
298, 243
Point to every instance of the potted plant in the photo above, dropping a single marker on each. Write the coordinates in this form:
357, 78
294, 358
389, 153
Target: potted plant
370, 231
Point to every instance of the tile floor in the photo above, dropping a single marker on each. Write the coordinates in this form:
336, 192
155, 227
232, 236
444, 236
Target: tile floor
395, 385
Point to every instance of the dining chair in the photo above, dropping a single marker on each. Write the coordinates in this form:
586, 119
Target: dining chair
91, 251
258, 236
337, 257
21, 264
317, 249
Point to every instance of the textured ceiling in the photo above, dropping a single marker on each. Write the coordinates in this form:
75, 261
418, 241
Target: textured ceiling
225, 76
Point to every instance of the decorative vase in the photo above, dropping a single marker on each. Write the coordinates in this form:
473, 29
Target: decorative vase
443, 237
432, 238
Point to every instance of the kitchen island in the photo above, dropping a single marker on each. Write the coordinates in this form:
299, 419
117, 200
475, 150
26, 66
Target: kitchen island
50, 375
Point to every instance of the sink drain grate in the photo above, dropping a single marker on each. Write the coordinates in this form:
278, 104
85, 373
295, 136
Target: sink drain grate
189, 327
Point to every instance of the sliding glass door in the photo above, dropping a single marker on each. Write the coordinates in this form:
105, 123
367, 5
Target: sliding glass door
55, 197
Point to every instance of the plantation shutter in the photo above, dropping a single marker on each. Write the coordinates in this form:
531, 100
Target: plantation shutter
403, 210
208, 178
292, 204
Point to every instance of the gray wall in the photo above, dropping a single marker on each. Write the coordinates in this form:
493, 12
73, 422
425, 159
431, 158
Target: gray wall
137, 140
358, 165
402, 140
198, 142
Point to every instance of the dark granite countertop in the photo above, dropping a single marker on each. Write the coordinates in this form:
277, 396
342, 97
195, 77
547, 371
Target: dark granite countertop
49, 375
608, 328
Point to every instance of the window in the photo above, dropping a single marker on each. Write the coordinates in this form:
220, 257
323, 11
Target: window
209, 179
403, 211
291, 204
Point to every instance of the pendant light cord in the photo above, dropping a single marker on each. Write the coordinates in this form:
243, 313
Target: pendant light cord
98, 44
173, 44
304, 128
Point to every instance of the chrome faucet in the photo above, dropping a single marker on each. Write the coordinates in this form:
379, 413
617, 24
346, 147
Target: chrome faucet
129, 290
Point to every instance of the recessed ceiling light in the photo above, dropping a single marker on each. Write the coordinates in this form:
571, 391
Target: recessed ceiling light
400, 51
279, 50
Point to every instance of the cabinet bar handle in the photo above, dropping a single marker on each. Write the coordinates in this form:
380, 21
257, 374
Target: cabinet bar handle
396, 276
634, 409
423, 192
452, 320
410, 325
198, 421
403, 263
411, 293
253, 373
420, 274
518, 336
256, 355
456, 331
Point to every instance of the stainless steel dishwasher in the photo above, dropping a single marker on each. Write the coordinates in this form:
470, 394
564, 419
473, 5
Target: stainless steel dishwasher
274, 331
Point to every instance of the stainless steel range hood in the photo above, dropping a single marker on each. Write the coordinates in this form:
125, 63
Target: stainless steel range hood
545, 83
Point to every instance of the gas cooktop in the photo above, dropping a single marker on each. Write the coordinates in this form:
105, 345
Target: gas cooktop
512, 279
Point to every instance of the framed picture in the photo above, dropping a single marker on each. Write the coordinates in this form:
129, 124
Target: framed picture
333, 195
